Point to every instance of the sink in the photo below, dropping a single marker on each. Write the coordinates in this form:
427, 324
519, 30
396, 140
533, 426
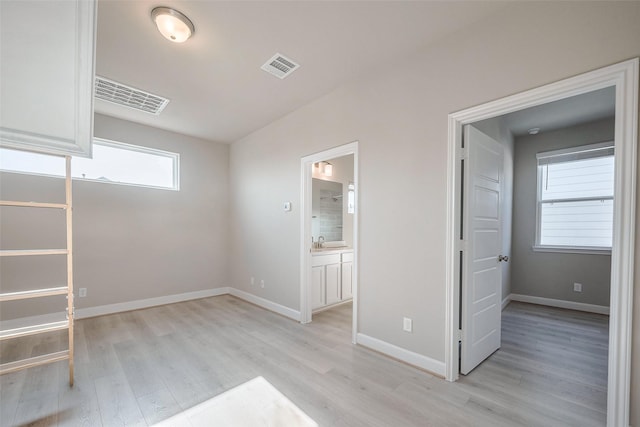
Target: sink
335, 244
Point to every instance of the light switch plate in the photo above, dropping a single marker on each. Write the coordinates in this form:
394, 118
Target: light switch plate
287, 206
407, 324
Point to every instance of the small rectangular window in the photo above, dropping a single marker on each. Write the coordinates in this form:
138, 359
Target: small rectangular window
575, 198
112, 162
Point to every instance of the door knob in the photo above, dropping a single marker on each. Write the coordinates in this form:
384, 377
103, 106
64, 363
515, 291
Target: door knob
504, 258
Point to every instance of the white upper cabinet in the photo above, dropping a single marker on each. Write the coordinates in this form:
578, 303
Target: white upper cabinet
46, 75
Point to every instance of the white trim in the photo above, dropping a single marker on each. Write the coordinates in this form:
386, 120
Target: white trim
266, 304
84, 55
101, 310
305, 231
505, 302
598, 146
624, 77
433, 366
40, 319
572, 250
570, 305
328, 307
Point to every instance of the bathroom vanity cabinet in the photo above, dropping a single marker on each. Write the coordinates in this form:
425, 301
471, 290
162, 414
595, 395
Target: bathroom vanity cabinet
331, 277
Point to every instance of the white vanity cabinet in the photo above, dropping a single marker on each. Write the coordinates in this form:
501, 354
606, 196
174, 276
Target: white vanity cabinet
47, 68
346, 267
331, 278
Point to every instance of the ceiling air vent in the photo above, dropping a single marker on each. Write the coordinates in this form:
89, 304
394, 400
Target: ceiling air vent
280, 66
120, 94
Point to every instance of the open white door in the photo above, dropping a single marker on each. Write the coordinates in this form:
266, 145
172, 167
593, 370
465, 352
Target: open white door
482, 233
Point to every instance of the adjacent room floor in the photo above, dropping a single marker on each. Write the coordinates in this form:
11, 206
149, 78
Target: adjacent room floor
141, 367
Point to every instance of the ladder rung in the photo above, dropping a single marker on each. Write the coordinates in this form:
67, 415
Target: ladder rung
5, 368
33, 204
27, 252
32, 330
10, 296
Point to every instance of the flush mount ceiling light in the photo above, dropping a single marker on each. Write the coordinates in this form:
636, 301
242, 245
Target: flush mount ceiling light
534, 131
173, 25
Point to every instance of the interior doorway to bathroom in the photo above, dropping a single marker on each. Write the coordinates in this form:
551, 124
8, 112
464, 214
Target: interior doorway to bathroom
329, 235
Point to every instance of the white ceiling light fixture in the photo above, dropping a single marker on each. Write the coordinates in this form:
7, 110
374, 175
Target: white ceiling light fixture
534, 131
173, 25
328, 169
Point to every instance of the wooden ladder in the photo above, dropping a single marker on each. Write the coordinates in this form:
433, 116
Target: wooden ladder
5, 368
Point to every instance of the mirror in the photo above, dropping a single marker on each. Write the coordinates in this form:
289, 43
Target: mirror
326, 210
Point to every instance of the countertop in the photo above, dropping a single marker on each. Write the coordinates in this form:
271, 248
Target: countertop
330, 251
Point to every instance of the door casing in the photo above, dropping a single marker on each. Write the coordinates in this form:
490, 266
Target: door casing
624, 78
305, 233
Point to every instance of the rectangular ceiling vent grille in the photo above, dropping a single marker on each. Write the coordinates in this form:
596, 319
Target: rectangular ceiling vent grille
120, 94
280, 66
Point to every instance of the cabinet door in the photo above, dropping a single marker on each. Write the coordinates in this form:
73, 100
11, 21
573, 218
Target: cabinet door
317, 287
347, 280
332, 280
47, 68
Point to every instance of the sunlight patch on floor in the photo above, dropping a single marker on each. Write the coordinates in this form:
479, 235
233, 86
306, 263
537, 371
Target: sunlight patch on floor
254, 403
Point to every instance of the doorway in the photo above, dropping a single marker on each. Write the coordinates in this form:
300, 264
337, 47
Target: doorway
329, 235
623, 78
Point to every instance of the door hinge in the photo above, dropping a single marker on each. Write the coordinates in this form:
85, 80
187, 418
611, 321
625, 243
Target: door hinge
459, 334
464, 153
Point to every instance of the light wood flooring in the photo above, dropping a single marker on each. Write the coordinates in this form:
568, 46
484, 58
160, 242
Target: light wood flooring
140, 367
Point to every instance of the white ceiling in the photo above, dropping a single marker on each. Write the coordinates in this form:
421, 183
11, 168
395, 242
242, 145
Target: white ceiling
214, 82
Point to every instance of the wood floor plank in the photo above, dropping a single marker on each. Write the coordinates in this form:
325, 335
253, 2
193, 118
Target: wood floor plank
140, 367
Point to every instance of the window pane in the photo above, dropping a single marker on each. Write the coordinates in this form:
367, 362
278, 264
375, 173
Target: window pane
584, 223
578, 179
125, 165
32, 163
111, 162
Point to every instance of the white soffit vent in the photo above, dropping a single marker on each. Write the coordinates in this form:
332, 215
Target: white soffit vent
120, 94
280, 66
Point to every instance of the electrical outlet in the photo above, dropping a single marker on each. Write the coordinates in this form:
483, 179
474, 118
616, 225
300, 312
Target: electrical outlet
407, 324
82, 292
262, 283
577, 287
253, 281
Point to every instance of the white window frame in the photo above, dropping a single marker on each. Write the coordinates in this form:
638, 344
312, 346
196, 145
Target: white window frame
175, 158
538, 247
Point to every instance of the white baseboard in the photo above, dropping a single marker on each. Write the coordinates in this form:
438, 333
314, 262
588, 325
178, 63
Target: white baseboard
101, 310
428, 364
591, 308
506, 301
41, 319
83, 313
266, 304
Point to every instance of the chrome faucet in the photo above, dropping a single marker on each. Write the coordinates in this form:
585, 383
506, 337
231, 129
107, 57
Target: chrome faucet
320, 241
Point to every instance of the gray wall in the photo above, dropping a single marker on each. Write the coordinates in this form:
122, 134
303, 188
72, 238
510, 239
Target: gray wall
130, 242
546, 274
496, 129
399, 115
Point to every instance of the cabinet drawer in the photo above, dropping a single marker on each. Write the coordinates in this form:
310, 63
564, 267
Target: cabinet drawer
348, 256
325, 259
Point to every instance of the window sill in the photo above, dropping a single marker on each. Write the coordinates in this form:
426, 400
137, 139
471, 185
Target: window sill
572, 250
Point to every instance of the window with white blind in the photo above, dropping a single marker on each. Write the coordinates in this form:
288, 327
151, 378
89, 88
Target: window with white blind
575, 198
